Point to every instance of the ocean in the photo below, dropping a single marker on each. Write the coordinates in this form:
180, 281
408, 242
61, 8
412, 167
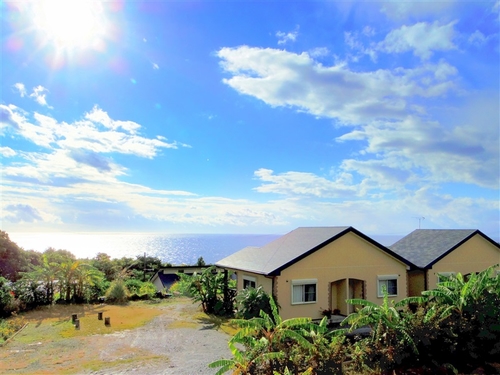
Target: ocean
172, 248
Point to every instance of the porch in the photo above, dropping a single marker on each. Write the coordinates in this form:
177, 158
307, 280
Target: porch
342, 290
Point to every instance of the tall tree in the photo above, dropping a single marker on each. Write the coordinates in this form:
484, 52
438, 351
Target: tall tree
12, 259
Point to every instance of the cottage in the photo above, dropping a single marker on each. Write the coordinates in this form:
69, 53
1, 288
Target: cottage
438, 253
164, 278
315, 268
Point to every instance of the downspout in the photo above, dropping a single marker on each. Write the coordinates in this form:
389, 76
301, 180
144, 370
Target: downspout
426, 281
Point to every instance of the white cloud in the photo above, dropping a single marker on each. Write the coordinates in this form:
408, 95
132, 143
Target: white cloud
403, 10
421, 38
284, 38
97, 115
21, 89
387, 110
88, 134
77, 170
477, 38
7, 152
319, 52
38, 94
10, 117
281, 78
304, 184
422, 152
156, 66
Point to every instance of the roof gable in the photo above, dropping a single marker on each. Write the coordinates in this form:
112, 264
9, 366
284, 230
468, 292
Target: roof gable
281, 253
424, 247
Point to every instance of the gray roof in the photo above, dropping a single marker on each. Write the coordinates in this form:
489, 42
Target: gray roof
424, 247
270, 259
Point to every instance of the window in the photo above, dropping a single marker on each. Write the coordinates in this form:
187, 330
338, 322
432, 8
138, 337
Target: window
444, 276
304, 291
388, 283
249, 282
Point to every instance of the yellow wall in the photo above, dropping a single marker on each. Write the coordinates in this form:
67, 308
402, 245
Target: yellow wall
416, 283
475, 255
266, 282
347, 257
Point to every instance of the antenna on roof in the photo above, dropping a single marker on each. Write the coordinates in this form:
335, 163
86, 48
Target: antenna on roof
420, 218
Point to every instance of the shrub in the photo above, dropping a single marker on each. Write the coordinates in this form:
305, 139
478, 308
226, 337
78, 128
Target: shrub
251, 301
147, 289
117, 292
10, 326
133, 285
182, 286
6, 297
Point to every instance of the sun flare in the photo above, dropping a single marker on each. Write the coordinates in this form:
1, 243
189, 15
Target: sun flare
69, 23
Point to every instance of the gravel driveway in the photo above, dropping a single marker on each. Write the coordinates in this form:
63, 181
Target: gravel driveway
178, 341
188, 349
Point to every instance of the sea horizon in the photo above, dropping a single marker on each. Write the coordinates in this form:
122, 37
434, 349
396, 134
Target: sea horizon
174, 248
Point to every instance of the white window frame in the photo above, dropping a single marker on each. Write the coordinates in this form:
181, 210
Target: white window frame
380, 278
250, 279
443, 274
304, 282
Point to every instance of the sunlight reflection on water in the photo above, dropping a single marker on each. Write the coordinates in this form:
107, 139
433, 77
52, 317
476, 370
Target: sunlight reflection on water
173, 248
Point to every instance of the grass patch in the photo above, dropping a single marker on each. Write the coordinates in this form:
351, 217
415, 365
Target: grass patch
183, 324
52, 323
217, 323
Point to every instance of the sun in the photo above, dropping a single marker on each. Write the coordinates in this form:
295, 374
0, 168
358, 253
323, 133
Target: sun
69, 23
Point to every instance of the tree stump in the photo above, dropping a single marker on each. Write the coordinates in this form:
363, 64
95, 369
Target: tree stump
99, 316
77, 324
107, 321
74, 317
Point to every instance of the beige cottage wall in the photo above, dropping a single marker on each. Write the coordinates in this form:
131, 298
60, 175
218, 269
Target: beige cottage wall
266, 282
350, 256
475, 255
416, 283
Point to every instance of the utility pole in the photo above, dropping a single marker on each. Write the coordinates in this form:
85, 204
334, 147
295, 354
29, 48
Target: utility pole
145, 269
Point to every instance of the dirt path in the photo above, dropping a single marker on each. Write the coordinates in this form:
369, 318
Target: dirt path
178, 341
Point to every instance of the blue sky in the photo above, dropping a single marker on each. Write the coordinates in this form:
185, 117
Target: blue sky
249, 117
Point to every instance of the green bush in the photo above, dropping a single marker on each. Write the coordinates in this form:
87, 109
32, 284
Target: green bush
117, 292
147, 289
6, 297
182, 286
251, 301
10, 326
133, 285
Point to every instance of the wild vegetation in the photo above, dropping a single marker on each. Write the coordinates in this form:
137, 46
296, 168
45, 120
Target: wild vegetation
452, 329
29, 279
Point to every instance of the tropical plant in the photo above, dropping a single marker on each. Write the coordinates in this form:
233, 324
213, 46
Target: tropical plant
103, 263
147, 289
117, 292
183, 285
251, 301
327, 352
133, 285
208, 288
390, 338
267, 341
468, 309
200, 262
